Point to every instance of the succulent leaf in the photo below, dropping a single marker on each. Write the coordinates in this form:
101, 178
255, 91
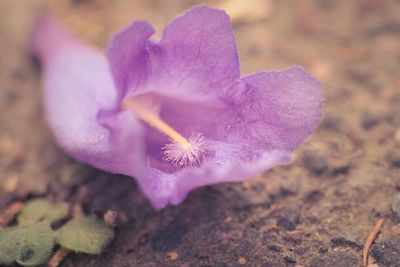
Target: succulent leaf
87, 234
39, 210
28, 245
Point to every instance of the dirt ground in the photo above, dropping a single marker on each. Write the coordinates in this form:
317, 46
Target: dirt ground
317, 211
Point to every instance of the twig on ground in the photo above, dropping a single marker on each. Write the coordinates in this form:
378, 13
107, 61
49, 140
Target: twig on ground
58, 257
371, 238
9, 213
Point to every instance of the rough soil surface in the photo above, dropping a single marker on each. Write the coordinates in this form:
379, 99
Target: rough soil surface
317, 212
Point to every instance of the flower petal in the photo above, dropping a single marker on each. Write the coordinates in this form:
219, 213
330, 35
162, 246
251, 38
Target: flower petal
165, 188
81, 103
201, 57
194, 60
276, 109
128, 56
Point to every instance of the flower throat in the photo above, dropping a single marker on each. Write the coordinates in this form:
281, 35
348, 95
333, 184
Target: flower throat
181, 151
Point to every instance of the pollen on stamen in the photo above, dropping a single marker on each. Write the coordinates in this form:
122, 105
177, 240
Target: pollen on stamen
180, 155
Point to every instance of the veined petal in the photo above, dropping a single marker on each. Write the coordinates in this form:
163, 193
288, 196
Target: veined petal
198, 51
195, 59
276, 109
129, 57
81, 103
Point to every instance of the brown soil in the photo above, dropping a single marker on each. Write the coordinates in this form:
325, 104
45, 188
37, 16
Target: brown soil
318, 211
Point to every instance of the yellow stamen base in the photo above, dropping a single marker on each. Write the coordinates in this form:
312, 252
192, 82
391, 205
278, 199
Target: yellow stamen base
156, 122
181, 152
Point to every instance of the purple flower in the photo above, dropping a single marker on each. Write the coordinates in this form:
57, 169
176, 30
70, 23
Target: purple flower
175, 113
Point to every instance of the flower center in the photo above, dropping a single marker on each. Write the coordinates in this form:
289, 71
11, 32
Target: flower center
181, 152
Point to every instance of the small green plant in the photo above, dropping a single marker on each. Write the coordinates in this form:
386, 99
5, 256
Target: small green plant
7, 246
39, 210
28, 245
31, 242
87, 234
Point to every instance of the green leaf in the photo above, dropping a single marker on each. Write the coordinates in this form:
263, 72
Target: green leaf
38, 210
35, 244
28, 245
87, 234
7, 246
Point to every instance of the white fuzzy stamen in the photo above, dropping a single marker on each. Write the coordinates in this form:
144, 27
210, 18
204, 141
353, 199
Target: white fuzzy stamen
181, 155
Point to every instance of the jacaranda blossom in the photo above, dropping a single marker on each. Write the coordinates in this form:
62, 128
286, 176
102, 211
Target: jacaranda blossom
175, 113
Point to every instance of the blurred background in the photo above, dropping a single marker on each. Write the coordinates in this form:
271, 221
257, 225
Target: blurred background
318, 211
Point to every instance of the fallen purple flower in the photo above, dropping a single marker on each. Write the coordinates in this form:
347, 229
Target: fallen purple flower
175, 114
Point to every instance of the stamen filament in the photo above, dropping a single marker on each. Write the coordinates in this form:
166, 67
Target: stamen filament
156, 122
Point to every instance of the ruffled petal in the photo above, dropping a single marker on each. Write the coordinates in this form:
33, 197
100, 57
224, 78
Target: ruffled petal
128, 56
198, 55
276, 109
81, 103
193, 61
166, 188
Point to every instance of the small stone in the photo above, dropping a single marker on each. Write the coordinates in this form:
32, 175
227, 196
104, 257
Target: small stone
294, 236
396, 209
369, 121
314, 162
173, 256
342, 170
336, 258
111, 218
313, 196
289, 259
274, 247
330, 123
242, 261
350, 237
288, 217
387, 253
290, 188
393, 158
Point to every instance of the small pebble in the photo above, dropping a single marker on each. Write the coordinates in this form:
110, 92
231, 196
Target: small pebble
314, 162
274, 247
369, 121
349, 237
242, 261
288, 217
393, 158
173, 256
342, 170
294, 236
313, 196
290, 260
290, 188
111, 218
330, 123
